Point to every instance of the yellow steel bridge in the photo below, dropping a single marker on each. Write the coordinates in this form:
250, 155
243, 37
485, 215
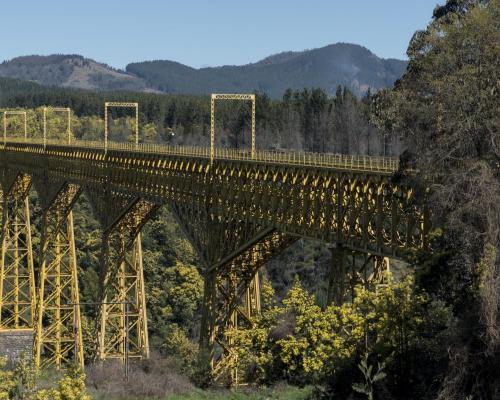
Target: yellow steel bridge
237, 208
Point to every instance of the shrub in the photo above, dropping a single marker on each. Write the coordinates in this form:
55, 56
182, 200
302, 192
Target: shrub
155, 377
177, 345
7, 382
70, 387
301, 343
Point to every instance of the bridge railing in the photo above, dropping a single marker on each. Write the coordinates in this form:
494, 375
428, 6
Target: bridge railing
328, 160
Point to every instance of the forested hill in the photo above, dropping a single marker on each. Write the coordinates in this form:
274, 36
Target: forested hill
352, 66
348, 65
70, 71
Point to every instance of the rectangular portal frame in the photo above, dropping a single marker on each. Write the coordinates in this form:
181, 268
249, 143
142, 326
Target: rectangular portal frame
118, 104
14, 112
220, 96
68, 124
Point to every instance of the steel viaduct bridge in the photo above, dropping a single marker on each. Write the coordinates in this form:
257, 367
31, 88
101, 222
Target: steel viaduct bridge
238, 209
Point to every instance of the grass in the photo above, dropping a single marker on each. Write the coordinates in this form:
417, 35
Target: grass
160, 378
279, 392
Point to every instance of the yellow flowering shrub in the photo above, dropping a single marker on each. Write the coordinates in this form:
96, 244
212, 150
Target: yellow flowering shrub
299, 341
392, 314
70, 387
21, 383
7, 382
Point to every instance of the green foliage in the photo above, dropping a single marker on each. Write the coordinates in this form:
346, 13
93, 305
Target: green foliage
174, 288
446, 106
70, 387
26, 376
23, 383
315, 339
302, 343
178, 345
174, 297
7, 381
184, 291
393, 315
371, 377
202, 373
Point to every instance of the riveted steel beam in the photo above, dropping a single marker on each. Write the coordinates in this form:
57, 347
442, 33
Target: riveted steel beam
351, 268
109, 104
230, 96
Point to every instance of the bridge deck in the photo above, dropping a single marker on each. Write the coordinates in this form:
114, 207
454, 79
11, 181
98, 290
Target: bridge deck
328, 160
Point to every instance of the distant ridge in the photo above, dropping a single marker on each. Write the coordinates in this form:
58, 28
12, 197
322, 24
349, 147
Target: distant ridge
327, 67
343, 64
70, 70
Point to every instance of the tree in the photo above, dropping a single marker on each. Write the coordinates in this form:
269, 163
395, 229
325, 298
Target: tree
446, 105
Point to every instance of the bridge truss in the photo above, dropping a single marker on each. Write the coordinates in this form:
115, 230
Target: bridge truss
237, 211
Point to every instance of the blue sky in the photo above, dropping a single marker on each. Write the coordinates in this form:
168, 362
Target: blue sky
210, 32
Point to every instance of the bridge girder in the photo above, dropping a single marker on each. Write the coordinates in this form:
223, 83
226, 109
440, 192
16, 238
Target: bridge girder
364, 211
351, 268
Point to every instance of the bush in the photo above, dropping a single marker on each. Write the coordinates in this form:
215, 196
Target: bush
7, 382
178, 346
23, 383
301, 343
156, 377
70, 387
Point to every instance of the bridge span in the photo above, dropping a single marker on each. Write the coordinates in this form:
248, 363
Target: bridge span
238, 209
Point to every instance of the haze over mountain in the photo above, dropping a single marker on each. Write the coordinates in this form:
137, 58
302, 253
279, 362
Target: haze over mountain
343, 64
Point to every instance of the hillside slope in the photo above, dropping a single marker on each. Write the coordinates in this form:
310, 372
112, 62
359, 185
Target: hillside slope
70, 71
348, 65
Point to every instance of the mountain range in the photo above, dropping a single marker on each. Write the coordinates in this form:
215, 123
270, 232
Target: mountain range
343, 64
